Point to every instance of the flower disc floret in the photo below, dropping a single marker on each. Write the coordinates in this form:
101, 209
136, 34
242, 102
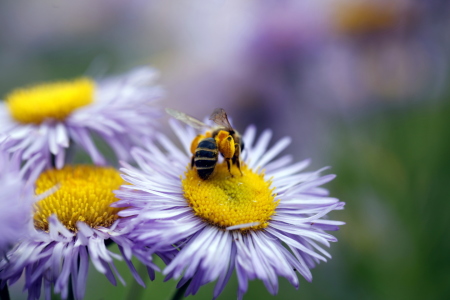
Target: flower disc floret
83, 193
226, 201
55, 100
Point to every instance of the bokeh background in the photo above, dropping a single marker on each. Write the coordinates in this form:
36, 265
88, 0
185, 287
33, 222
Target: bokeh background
360, 85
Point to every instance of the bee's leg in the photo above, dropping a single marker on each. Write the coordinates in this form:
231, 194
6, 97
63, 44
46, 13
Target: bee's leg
238, 164
226, 146
236, 159
228, 165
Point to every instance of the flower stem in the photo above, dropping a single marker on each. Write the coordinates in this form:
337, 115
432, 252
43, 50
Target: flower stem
179, 294
4, 292
135, 290
109, 242
70, 296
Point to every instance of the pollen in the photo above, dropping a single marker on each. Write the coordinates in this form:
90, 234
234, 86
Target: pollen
224, 200
50, 101
82, 193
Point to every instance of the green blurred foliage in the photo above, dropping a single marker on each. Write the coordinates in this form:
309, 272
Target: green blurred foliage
393, 172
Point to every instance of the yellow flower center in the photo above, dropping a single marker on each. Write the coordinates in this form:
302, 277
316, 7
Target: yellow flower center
83, 193
50, 101
225, 201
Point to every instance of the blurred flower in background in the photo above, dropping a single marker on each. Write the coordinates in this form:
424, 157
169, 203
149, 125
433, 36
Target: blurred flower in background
381, 50
45, 119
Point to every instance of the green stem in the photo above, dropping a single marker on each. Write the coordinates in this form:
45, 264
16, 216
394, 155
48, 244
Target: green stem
109, 242
70, 295
136, 290
4, 292
179, 294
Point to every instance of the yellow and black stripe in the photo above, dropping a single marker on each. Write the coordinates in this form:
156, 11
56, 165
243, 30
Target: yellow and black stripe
205, 157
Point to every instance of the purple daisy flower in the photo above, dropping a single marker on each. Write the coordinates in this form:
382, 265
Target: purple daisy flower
60, 242
45, 119
268, 222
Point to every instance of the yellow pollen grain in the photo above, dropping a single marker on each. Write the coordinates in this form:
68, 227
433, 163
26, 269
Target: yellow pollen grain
84, 193
54, 101
224, 200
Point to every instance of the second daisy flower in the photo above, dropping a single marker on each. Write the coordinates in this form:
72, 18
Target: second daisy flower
42, 121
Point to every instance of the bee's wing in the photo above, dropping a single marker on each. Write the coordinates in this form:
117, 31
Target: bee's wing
219, 116
191, 121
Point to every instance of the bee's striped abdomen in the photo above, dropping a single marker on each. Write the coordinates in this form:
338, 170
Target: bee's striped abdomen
205, 157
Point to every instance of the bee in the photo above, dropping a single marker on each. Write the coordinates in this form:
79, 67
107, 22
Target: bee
205, 148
